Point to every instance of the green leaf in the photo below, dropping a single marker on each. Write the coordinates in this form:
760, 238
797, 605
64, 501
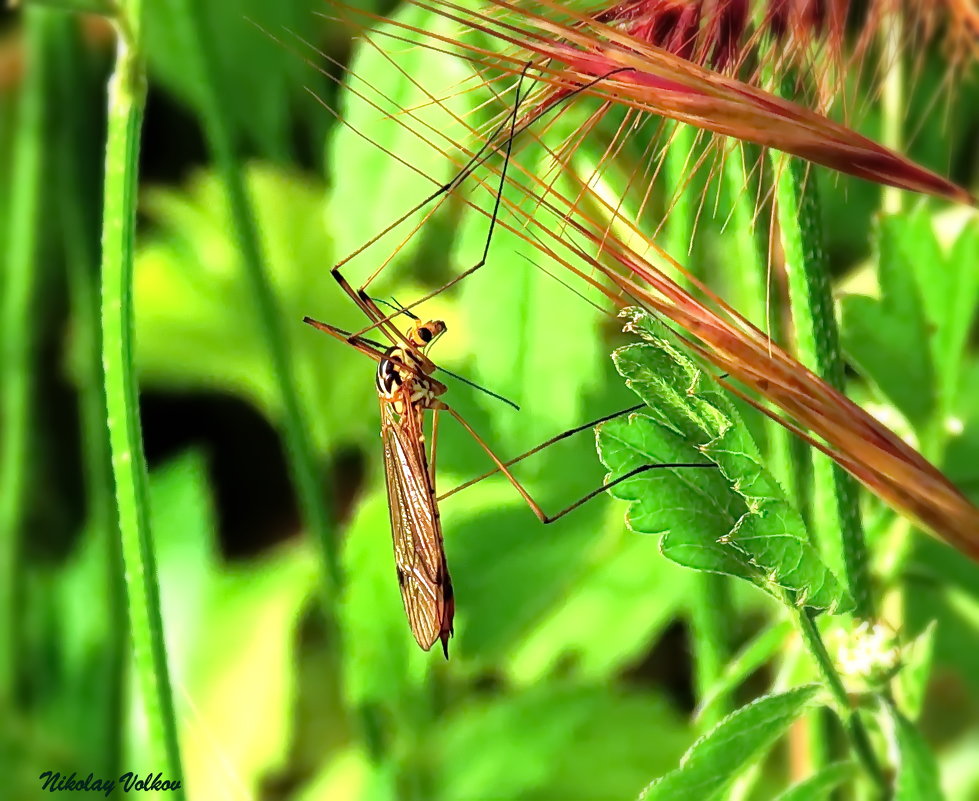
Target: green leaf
370, 188
263, 80
543, 347
910, 341
509, 571
917, 772
555, 741
821, 784
735, 519
716, 760
623, 595
228, 630
247, 636
755, 653
197, 327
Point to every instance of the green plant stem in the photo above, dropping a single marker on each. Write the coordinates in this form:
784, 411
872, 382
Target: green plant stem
710, 613
753, 287
79, 225
20, 284
849, 717
681, 191
188, 15
127, 97
836, 513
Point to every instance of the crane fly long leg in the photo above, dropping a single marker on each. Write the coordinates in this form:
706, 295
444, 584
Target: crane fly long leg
503, 467
480, 156
538, 448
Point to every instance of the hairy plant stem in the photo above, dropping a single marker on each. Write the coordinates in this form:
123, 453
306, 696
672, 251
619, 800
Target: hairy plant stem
835, 509
849, 717
20, 285
127, 97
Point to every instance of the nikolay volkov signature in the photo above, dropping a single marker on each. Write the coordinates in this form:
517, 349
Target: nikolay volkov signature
55, 782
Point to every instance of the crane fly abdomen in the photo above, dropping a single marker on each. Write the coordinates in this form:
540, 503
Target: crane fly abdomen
405, 390
416, 530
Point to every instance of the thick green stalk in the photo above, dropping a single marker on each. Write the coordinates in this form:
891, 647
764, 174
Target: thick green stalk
836, 514
198, 52
127, 97
18, 330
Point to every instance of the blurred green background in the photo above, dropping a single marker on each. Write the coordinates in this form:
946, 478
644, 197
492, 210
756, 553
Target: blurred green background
571, 673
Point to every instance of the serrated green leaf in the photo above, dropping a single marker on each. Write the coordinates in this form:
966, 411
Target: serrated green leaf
821, 784
750, 658
735, 519
716, 760
917, 771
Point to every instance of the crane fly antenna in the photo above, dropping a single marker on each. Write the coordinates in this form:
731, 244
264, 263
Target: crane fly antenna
474, 385
398, 308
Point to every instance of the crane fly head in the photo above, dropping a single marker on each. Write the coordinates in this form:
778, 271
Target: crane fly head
422, 335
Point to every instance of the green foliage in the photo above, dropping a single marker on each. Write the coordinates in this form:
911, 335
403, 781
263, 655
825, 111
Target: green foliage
198, 326
722, 755
578, 742
419, 138
927, 297
268, 76
574, 670
821, 784
917, 771
735, 520
751, 657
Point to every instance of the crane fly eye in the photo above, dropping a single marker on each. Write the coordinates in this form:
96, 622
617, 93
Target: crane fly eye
425, 334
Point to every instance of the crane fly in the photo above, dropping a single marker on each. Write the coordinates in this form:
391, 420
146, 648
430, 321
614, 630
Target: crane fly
405, 390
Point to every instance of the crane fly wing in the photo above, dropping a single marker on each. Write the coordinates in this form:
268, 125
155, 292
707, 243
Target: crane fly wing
419, 555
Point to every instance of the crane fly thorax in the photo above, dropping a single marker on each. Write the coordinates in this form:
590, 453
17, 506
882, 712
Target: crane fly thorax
402, 380
403, 374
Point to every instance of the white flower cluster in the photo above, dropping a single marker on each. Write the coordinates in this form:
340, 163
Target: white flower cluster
870, 653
